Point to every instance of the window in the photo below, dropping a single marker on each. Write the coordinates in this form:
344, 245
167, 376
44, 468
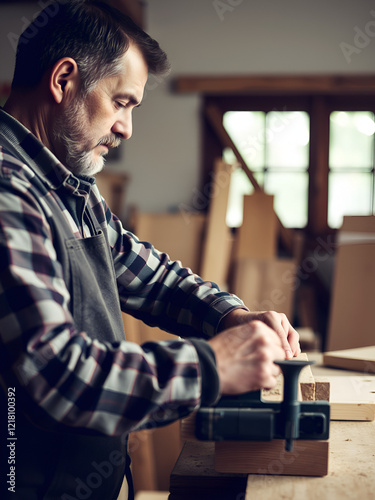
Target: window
336, 118
275, 145
351, 165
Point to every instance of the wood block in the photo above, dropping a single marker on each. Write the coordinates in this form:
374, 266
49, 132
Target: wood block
308, 458
306, 390
322, 389
306, 380
351, 317
258, 234
266, 284
360, 359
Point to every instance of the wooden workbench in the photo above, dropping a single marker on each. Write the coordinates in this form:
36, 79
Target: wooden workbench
351, 467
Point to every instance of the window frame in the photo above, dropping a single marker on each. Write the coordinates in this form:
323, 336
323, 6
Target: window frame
318, 106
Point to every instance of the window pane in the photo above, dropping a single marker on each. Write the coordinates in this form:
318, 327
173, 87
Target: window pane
239, 186
290, 202
348, 194
288, 137
351, 143
246, 129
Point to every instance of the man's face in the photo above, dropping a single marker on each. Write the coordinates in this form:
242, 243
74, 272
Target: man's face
88, 127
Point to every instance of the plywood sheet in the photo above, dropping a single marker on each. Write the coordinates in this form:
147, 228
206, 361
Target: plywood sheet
351, 322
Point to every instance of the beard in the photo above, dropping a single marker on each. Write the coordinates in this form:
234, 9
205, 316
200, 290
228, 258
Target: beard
71, 130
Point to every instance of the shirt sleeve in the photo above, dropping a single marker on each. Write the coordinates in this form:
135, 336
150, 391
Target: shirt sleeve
75, 380
162, 292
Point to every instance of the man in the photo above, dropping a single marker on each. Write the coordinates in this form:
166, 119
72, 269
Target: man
68, 268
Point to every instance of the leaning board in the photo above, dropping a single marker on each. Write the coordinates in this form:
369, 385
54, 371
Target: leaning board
360, 359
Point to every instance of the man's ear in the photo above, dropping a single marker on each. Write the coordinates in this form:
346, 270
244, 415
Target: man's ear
64, 82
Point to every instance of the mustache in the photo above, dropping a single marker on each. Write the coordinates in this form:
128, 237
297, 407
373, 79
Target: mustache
110, 140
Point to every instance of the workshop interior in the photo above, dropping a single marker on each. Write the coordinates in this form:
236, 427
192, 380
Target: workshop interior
253, 163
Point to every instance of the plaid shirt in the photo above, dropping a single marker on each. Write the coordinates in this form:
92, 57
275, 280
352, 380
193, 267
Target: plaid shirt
99, 385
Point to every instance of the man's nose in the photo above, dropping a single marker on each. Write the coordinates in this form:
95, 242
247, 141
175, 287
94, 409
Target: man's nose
123, 127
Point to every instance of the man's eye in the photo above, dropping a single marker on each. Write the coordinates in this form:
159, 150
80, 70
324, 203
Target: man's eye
120, 104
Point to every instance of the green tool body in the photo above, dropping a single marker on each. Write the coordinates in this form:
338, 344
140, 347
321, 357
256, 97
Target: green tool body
248, 418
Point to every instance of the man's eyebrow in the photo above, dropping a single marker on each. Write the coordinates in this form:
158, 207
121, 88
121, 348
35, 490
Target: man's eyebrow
129, 97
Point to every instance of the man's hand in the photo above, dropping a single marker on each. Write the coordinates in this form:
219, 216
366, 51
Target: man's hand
245, 356
277, 321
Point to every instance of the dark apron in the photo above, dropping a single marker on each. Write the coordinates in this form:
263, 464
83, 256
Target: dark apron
65, 464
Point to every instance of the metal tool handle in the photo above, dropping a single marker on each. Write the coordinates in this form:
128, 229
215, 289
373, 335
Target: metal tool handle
290, 406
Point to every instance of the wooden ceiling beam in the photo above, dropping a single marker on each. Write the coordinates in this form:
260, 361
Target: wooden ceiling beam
327, 84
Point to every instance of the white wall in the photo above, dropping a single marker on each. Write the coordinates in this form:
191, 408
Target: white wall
219, 37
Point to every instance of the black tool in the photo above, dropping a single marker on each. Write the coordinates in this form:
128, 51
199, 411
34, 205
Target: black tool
248, 418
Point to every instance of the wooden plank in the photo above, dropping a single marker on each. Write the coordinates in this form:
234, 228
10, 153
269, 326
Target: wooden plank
352, 398
351, 470
352, 411
360, 359
331, 84
257, 236
351, 317
308, 458
217, 244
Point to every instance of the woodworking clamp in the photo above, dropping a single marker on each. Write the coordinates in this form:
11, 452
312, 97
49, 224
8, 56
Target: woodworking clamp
247, 417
